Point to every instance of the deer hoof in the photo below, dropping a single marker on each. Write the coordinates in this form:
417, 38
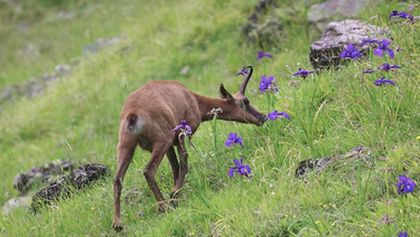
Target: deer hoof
174, 203
174, 200
163, 207
117, 227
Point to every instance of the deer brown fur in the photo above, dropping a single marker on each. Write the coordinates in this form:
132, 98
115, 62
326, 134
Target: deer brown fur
148, 118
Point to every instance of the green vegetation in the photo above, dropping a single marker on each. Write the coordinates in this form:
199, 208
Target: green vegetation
332, 112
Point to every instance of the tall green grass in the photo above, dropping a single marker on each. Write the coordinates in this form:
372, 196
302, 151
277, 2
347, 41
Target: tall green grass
331, 112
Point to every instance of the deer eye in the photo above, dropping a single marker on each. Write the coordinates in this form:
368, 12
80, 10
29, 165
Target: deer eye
245, 102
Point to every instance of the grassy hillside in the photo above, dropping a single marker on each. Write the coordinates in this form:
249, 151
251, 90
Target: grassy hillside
331, 113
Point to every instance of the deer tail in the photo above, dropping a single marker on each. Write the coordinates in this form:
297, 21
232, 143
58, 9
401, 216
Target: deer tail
132, 122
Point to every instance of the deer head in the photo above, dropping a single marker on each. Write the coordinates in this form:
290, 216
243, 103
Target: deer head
240, 109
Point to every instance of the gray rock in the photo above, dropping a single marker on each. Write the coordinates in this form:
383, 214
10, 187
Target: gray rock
103, 43
184, 70
317, 165
29, 51
322, 13
62, 69
6, 94
325, 52
15, 203
35, 87
63, 15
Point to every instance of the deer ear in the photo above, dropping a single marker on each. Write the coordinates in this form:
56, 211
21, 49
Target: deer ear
224, 93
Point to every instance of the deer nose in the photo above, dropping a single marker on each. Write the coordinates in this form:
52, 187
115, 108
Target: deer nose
262, 118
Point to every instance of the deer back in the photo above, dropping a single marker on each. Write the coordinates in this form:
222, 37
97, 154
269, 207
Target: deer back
152, 111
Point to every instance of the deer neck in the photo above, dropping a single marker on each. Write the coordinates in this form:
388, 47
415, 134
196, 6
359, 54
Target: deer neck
207, 105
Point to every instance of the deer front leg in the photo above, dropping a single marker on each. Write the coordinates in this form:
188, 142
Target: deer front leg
158, 153
183, 158
125, 155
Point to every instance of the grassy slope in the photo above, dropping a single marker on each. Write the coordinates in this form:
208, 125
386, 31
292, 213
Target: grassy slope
332, 112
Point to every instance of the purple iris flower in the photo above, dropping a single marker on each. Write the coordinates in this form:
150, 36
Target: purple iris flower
351, 52
368, 71
369, 41
184, 128
403, 234
382, 81
268, 84
401, 14
244, 71
240, 168
275, 115
386, 67
383, 47
233, 139
262, 54
302, 73
405, 184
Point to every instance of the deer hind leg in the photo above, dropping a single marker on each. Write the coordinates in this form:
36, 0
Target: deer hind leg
125, 154
183, 161
159, 150
173, 161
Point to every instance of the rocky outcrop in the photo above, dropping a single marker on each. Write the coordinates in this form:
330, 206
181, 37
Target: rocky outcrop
317, 165
325, 52
65, 186
36, 86
102, 43
262, 27
43, 174
63, 181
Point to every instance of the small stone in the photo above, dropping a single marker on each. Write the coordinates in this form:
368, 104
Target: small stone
102, 43
184, 70
386, 220
62, 69
6, 94
15, 203
293, 83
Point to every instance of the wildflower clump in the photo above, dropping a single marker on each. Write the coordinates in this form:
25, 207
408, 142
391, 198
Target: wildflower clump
183, 128
275, 115
233, 139
240, 168
302, 73
401, 14
244, 71
403, 234
383, 49
387, 67
262, 54
268, 84
382, 81
351, 52
405, 185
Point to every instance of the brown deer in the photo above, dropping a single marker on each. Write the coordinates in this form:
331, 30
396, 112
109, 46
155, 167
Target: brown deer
152, 112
